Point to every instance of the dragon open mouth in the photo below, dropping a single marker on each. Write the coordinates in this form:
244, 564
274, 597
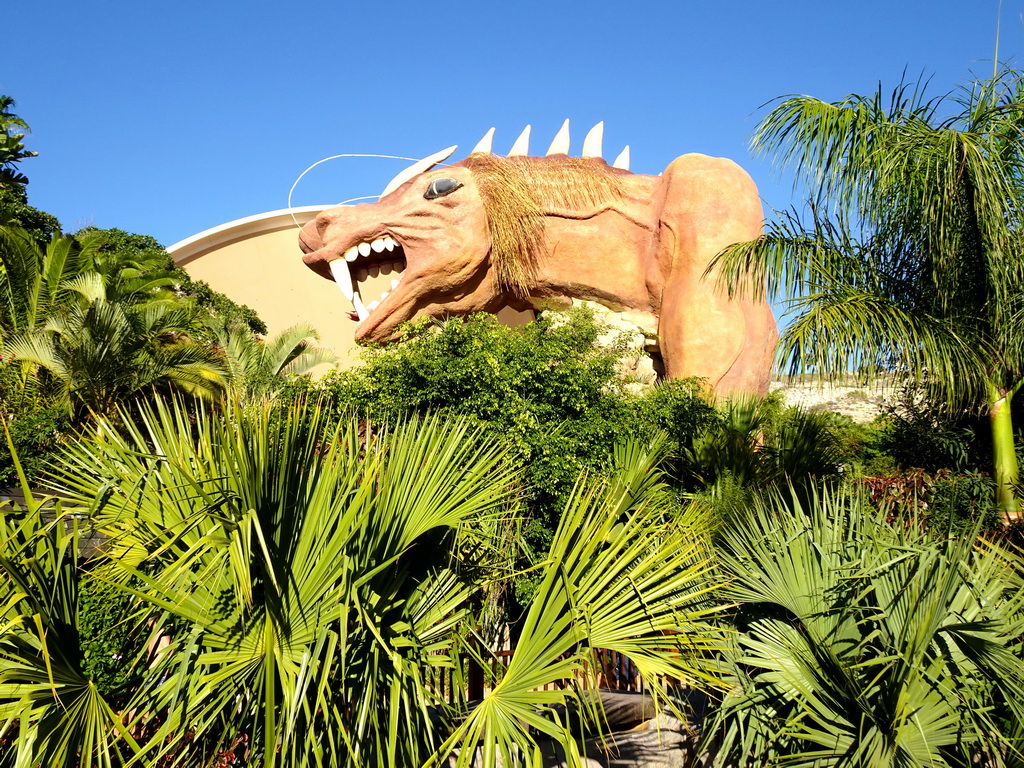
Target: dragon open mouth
369, 270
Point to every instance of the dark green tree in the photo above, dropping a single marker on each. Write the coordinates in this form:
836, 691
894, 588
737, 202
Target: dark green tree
150, 258
14, 207
12, 148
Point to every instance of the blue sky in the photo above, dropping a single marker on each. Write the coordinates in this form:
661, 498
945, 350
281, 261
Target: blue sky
169, 118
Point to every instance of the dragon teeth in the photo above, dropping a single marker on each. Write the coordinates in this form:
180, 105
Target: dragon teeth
361, 311
381, 244
348, 277
339, 270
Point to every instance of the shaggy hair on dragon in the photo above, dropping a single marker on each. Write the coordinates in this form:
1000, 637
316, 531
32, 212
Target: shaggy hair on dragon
515, 191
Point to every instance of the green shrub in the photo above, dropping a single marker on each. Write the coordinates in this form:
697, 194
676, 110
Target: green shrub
859, 448
961, 501
37, 426
548, 388
918, 434
110, 640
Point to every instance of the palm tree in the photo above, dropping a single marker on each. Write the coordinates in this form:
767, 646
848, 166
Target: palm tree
320, 583
756, 444
910, 262
34, 281
104, 352
254, 364
862, 641
100, 329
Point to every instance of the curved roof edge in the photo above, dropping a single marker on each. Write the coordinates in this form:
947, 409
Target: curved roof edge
250, 226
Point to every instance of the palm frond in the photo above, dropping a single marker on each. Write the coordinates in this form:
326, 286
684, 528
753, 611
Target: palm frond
866, 642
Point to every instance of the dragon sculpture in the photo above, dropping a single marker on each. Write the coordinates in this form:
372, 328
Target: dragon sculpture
539, 232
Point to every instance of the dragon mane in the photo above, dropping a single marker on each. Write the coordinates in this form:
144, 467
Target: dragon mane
516, 191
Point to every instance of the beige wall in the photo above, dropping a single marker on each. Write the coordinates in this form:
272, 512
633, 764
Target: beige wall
261, 266
257, 262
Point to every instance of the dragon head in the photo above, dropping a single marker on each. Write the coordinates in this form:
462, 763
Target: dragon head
452, 240
427, 233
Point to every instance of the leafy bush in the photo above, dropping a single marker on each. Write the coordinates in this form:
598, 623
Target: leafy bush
547, 388
917, 433
944, 500
36, 427
14, 210
111, 641
961, 501
859, 448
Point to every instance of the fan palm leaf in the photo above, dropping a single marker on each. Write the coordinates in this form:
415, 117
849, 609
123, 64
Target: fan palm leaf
319, 580
866, 643
621, 577
50, 711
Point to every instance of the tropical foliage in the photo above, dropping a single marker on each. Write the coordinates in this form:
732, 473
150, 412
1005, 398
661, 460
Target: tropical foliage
909, 262
52, 712
104, 353
319, 585
860, 642
549, 388
95, 320
294, 573
253, 366
761, 445
12, 148
96, 329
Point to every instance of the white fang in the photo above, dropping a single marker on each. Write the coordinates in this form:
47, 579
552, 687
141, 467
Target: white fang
361, 311
339, 269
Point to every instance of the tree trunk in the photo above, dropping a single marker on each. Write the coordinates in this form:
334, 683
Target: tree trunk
1004, 455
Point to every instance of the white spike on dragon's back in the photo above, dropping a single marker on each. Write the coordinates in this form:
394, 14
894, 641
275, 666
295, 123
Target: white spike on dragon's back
622, 161
522, 146
415, 170
560, 144
485, 144
592, 144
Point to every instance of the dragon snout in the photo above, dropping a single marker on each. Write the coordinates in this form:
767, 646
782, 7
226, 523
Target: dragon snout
309, 238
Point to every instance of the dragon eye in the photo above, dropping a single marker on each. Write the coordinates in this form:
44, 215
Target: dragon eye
441, 187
